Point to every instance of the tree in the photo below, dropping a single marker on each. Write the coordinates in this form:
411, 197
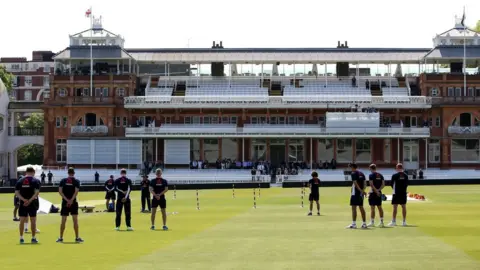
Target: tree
477, 27
31, 154
34, 122
7, 78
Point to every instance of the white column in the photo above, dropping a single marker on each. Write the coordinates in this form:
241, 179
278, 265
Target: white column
358, 74
13, 164
118, 67
12, 124
326, 77
130, 65
390, 74
426, 154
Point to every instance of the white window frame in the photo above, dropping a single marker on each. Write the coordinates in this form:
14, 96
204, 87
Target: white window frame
118, 122
125, 121
58, 122
434, 92
62, 92
27, 95
65, 121
28, 81
434, 148
120, 92
62, 143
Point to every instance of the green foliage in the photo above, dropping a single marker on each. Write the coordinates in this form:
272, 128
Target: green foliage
477, 27
35, 121
7, 78
31, 154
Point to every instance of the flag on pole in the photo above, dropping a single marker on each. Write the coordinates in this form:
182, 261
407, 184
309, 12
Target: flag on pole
88, 13
462, 22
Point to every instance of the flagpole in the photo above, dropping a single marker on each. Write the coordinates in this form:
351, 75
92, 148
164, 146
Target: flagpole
464, 55
91, 53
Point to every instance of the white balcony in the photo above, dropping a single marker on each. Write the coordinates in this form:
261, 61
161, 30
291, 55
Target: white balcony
305, 101
272, 131
463, 130
81, 130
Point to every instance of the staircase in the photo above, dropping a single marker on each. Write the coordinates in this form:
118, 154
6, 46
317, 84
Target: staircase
376, 90
276, 89
180, 88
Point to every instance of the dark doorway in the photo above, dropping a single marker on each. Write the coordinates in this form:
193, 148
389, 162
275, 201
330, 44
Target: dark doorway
465, 120
277, 154
90, 120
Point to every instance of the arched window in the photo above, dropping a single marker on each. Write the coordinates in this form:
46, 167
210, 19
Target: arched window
2, 123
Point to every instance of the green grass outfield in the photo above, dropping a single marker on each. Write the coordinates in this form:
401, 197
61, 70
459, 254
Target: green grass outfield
228, 233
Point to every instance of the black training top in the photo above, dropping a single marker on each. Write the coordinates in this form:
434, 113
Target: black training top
159, 185
69, 185
399, 183
27, 186
314, 184
145, 183
358, 177
377, 180
110, 185
123, 184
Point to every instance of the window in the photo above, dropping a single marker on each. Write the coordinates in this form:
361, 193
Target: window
46, 81
470, 92
325, 150
15, 66
46, 69
28, 80
295, 150
465, 151
86, 92
450, 92
35, 66
1, 123
434, 92
187, 120
196, 119
65, 121
363, 151
27, 95
62, 92
80, 122
344, 150
458, 92
15, 81
438, 122
477, 92
104, 92
258, 149
168, 120
210, 149
229, 148
120, 92
434, 151
61, 151
233, 120
58, 122
125, 122
117, 121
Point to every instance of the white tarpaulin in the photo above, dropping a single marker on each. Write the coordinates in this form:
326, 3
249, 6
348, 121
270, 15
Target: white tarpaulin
44, 206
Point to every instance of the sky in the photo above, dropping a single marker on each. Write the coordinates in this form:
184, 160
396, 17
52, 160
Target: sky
46, 25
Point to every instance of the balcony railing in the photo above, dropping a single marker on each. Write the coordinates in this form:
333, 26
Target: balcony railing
312, 101
456, 101
89, 100
463, 130
272, 131
18, 131
99, 130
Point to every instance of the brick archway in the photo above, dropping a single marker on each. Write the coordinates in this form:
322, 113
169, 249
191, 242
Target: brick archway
457, 112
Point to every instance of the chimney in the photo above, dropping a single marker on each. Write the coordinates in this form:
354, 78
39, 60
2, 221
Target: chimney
338, 46
221, 44
346, 44
213, 43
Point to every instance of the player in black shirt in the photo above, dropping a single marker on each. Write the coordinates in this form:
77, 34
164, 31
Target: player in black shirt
145, 184
314, 185
357, 194
399, 185
68, 189
123, 185
377, 183
27, 190
110, 191
158, 188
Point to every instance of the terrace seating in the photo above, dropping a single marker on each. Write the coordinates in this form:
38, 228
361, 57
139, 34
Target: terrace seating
395, 94
159, 91
224, 87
